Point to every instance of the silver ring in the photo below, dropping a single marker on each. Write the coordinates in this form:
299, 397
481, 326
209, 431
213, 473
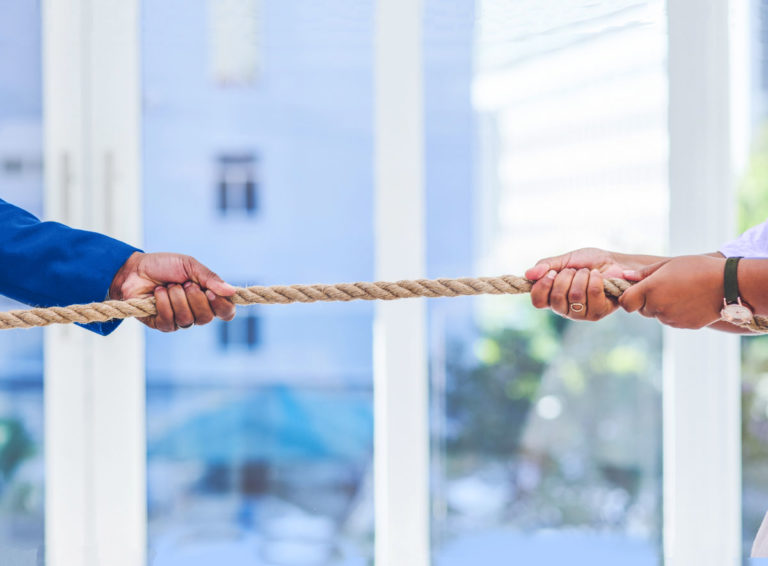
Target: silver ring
576, 307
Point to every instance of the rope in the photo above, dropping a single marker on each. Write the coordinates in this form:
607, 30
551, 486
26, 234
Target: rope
286, 294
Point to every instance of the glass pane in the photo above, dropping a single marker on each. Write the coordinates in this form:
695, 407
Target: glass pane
753, 210
258, 154
21, 352
546, 433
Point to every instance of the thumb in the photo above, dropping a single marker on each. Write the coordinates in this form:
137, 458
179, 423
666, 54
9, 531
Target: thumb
537, 271
647, 271
544, 266
207, 279
633, 299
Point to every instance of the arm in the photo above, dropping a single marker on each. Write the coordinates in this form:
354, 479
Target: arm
753, 284
753, 278
687, 292
49, 264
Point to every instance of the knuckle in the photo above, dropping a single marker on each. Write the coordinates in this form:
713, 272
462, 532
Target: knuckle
538, 300
558, 293
204, 319
576, 295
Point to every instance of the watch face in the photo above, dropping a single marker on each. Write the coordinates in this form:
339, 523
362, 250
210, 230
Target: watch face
736, 314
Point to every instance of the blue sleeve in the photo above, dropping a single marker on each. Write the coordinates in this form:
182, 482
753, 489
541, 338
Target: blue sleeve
48, 264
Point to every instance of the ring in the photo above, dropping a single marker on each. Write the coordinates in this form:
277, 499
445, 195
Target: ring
576, 307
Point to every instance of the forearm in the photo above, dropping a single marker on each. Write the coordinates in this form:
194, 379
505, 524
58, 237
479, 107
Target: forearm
753, 284
723, 326
49, 264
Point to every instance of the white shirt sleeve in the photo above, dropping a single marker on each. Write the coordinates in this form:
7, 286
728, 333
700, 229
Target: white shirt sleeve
751, 244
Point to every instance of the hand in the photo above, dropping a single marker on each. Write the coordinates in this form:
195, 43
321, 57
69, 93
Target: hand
683, 292
186, 291
574, 279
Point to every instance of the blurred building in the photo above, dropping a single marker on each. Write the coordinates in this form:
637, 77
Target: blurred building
258, 159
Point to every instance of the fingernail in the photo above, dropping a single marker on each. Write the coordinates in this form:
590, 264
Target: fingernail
630, 274
552, 274
210, 295
595, 272
188, 284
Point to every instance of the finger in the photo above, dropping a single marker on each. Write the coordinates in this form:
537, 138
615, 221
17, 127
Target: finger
207, 279
541, 289
558, 298
558, 263
222, 307
577, 295
198, 302
633, 299
537, 271
164, 319
181, 309
613, 271
598, 304
647, 313
640, 274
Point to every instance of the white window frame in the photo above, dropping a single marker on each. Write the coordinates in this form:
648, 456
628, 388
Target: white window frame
401, 392
94, 387
701, 396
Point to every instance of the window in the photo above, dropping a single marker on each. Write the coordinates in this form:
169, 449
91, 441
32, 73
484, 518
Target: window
242, 332
540, 424
273, 461
266, 462
237, 183
753, 209
22, 465
234, 41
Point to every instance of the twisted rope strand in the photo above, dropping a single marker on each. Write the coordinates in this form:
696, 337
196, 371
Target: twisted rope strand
286, 294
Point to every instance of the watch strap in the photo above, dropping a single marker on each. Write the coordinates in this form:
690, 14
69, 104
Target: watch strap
731, 280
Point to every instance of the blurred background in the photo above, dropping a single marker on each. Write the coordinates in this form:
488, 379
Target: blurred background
546, 128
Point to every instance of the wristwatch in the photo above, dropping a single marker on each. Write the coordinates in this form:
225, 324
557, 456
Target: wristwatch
733, 310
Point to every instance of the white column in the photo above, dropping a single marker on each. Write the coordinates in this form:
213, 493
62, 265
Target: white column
702, 467
401, 442
68, 501
94, 388
118, 389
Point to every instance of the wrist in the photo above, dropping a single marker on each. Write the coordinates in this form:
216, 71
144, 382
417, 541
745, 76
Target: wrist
716, 278
130, 266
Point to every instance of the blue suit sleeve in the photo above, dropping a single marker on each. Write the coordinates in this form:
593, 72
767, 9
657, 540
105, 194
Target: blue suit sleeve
48, 264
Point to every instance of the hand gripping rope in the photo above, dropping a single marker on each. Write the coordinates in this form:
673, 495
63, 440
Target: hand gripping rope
285, 294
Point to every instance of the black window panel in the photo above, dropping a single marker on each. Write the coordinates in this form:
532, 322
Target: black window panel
238, 183
243, 332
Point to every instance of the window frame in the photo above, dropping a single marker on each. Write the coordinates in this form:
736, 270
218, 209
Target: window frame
94, 394
94, 387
